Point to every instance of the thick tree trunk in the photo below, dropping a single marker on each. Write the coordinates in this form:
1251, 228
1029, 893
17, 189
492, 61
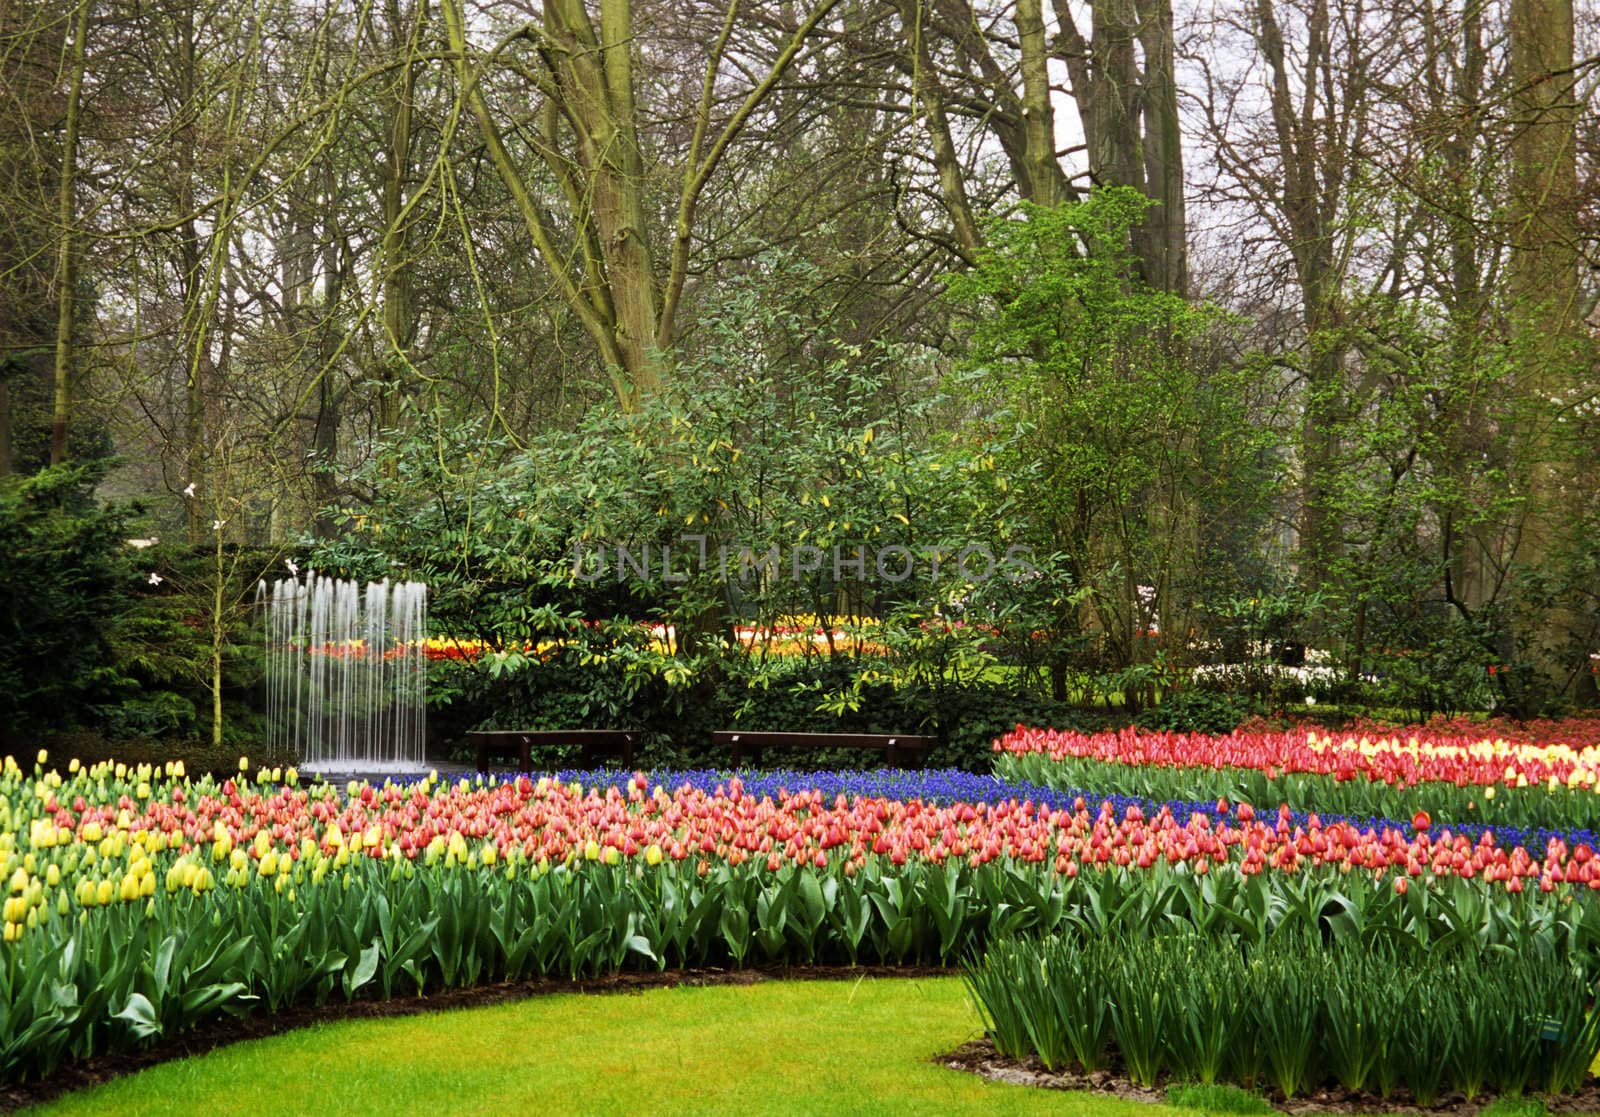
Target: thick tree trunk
600, 73
1130, 122
1546, 346
1163, 236
1310, 202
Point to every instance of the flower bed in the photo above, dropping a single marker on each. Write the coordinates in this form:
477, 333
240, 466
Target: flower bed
140, 902
1480, 781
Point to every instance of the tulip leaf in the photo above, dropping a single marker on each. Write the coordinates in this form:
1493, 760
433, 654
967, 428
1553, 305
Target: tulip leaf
366, 965
140, 1016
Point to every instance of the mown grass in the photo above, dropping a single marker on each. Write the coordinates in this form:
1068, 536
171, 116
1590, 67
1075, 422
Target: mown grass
1219, 1098
789, 1048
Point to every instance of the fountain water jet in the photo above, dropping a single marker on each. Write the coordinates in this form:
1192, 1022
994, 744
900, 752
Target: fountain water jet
346, 673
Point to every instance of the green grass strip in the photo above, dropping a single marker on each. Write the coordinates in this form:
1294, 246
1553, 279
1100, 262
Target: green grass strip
813, 1047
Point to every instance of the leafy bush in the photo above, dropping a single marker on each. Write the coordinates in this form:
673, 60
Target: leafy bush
590, 686
1195, 711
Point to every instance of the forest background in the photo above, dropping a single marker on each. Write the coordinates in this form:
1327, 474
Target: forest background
1267, 330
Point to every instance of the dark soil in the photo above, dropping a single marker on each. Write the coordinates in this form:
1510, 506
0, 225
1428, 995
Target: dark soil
226, 1030
980, 1057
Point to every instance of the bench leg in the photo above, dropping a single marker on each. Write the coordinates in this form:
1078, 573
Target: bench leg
480, 754
889, 756
524, 754
627, 754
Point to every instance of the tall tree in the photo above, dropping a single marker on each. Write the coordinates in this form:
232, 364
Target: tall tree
75, 62
1553, 363
604, 253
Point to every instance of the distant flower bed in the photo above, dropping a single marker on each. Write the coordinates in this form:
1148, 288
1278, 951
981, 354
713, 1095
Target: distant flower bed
1462, 778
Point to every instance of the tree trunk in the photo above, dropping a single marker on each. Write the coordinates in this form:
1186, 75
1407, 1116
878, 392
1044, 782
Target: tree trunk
1130, 122
928, 91
66, 231
1038, 117
399, 323
188, 263
599, 74
1162, 238
1547, 351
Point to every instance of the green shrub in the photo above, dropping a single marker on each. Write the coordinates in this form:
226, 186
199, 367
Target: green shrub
62, 586
1196, 711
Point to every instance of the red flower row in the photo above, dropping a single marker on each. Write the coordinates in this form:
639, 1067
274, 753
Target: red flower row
1401, 759
550, 821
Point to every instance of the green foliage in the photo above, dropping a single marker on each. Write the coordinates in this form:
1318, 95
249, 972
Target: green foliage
1374, 1015
1125, 432
62, 586
1195, 711
757, 492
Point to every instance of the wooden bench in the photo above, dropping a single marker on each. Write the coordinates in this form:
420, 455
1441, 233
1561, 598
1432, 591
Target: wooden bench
595, 743
893, 746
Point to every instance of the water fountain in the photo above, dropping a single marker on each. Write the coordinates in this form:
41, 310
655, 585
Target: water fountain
346, 673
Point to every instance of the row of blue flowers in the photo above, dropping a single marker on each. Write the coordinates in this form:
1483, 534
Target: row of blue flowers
951, 785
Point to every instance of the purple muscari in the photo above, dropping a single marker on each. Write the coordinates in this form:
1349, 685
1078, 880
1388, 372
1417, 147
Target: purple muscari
951, 785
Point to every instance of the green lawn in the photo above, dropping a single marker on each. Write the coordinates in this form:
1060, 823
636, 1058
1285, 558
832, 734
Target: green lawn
820, 1047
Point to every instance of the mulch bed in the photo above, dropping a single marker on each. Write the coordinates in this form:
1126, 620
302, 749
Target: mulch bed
979, 1057
226, 1030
